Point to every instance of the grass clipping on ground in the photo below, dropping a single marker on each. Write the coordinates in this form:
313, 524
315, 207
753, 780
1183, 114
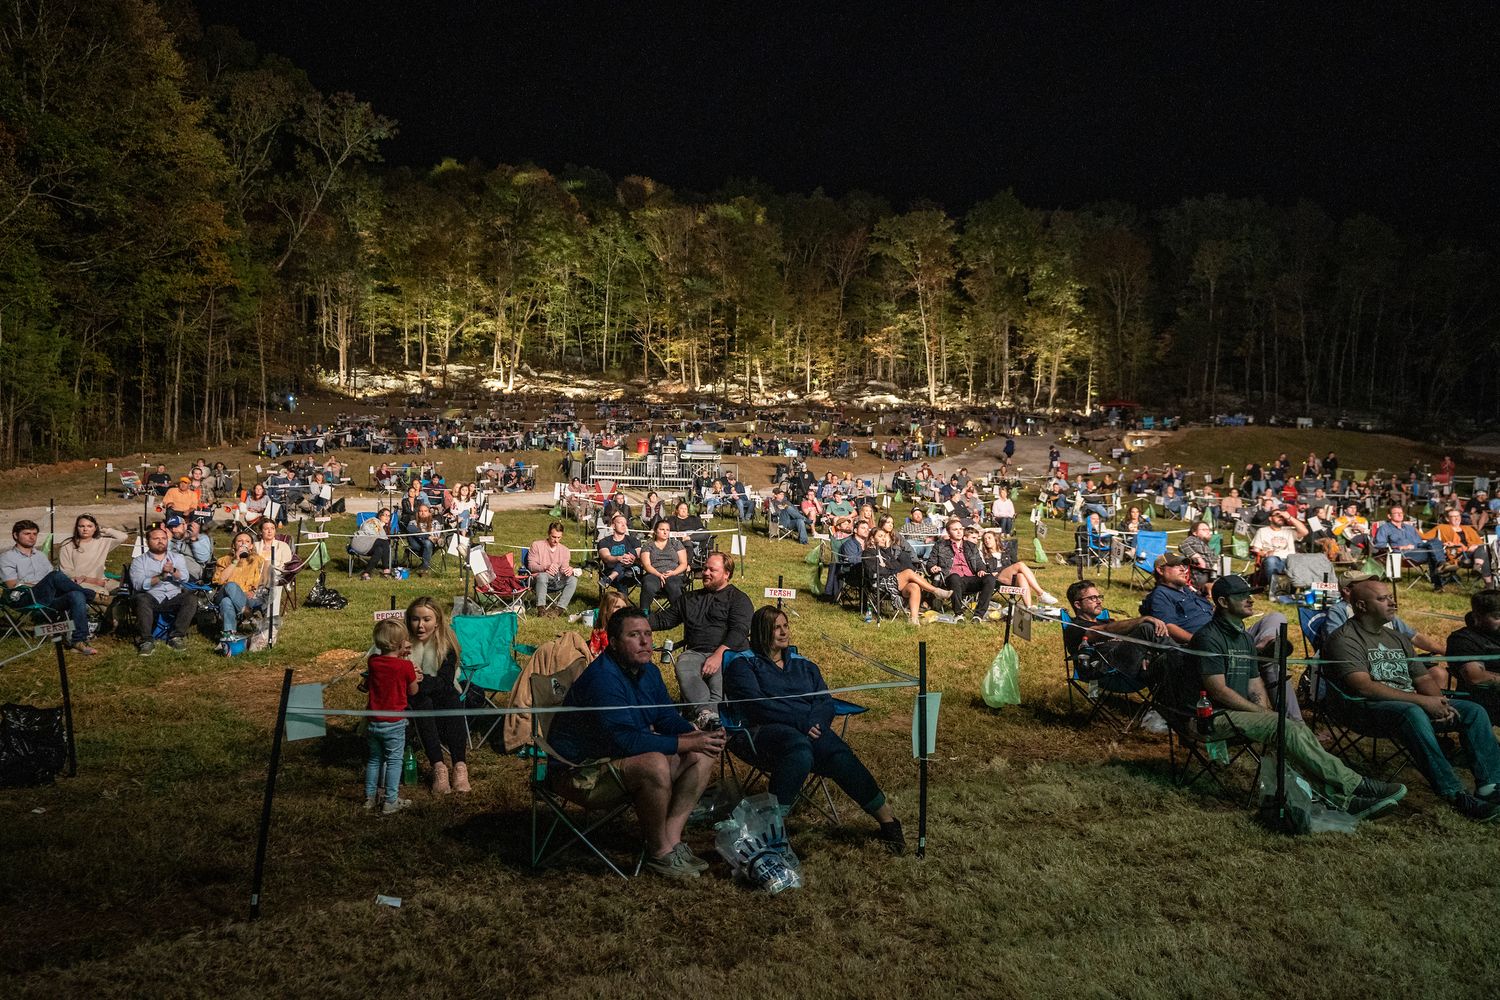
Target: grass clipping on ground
1061, 861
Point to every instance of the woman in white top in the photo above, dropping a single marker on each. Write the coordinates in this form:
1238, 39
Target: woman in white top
82, 557
1003, 510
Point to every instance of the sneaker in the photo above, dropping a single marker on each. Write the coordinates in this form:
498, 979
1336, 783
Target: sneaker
1152, 722
671, 865
942, 594
1475, 809
891, 836
369, 803
176, 642
395, 806
977, 619
1373, 797
683, 851
706, 718
1047, 598
145, 647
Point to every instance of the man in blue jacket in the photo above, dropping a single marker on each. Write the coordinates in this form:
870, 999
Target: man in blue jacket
637, 741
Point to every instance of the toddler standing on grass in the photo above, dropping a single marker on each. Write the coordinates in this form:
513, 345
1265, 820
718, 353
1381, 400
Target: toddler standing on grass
391, 677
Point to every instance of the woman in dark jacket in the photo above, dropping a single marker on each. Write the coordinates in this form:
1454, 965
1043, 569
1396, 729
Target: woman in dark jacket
885, 557
791, 737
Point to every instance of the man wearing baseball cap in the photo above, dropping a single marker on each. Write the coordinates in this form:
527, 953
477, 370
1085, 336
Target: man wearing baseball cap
1229, 673
1185, 611
181, 499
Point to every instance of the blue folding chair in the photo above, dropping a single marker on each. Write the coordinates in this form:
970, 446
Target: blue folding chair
1149, 546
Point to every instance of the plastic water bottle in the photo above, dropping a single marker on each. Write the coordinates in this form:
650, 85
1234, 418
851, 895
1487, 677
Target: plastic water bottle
409, 768
1203, 713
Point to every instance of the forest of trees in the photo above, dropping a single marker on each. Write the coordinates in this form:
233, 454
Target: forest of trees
187, 227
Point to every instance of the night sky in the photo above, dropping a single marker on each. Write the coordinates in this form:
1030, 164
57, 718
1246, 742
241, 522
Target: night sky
1390, 111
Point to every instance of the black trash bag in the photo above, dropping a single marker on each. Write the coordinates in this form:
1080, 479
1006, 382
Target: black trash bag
33, 746
324, 596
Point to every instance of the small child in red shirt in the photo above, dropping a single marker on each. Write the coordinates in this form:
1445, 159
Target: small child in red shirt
390, 678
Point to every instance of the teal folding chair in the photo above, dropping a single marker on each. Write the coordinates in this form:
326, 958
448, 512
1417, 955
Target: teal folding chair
488, 666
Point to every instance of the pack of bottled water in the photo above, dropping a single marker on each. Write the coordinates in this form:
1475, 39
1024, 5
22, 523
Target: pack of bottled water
753, 840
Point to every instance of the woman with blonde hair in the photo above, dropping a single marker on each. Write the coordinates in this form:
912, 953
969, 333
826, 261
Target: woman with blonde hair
435, 652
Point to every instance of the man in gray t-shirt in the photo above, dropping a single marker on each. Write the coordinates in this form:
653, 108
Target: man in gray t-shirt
1400, 700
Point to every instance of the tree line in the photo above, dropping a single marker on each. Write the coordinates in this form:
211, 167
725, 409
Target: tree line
188, 226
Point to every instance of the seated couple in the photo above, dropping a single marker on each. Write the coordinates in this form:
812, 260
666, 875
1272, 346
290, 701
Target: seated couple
664, 763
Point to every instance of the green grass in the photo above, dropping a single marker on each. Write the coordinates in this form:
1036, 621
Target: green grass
1061, 860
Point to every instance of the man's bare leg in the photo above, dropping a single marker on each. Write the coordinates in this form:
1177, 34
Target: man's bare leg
691, 773
648, 779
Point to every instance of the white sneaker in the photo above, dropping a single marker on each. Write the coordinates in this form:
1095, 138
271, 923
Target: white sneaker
1047, 598
394, 806
1152, 722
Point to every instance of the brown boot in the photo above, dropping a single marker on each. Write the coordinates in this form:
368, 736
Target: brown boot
461, 777
440, 784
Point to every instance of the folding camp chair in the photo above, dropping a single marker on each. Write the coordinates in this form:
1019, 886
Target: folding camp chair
1178, 686
1090, 676
815, 791
313, 562
489, 666
1353, 737
1149, 546
578, 811
359, 521
21, 617
500, 588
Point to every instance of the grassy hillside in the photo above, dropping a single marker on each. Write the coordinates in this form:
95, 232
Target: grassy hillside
1207, 449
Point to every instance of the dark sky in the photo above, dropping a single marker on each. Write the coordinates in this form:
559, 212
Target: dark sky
1390, 111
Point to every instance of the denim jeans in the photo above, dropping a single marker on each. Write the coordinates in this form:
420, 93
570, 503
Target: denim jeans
789, 756
232, 600
385, 745
1409, 724
421, 545
561, 584
792, 520
1272, 565
56, 590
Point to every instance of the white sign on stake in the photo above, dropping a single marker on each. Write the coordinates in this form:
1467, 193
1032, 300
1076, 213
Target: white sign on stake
310, 535
57, 628
109, 467
1013, 591
780, 594
381, 616
486, 539
1326, 587
322, 519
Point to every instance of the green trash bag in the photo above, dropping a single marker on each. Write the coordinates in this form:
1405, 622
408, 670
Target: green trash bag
1001, 684
556, 510
814, 555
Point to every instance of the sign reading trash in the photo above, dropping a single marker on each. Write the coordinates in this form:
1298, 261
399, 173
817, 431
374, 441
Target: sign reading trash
315, 534
56, 628
780, 594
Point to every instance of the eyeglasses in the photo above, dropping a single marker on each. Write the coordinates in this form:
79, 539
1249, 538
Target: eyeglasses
1090, 597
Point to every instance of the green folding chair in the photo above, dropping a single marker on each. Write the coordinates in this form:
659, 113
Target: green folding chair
488, 662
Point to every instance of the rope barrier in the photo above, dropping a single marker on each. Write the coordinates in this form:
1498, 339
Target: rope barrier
448, 713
